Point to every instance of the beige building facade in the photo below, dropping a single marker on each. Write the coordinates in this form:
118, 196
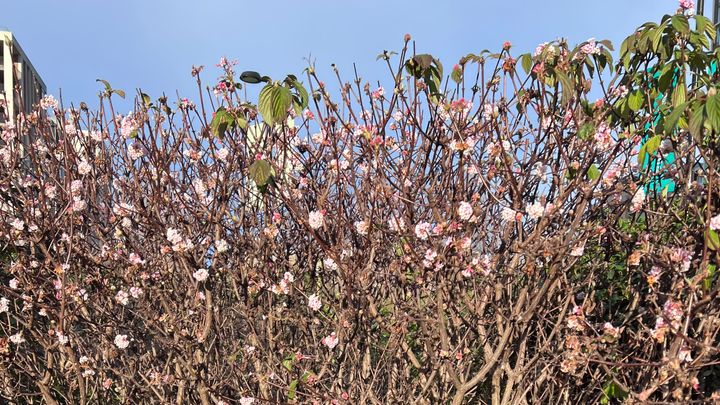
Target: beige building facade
16, 70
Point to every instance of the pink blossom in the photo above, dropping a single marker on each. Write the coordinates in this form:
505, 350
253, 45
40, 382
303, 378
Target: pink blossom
638, 200
396, 224
48, 102
330, 341
314, 302
687, 4
508, 214
223, 153
422, 230
590, 48
316, 219
603, 137
121, 341
122, 297
201, 275
136, 259
535, 210
17, 338
465, 211
136, 292
135, 151
361, 227
84, 167
222, 246
715, 222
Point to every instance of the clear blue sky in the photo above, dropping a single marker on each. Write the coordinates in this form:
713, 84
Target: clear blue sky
152, 44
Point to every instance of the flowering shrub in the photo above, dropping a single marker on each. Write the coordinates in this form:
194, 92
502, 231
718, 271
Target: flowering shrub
495, 236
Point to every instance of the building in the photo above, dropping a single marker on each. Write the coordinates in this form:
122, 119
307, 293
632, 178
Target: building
16, 70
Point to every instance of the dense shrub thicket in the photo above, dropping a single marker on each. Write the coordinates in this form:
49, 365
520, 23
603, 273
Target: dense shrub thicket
490, 236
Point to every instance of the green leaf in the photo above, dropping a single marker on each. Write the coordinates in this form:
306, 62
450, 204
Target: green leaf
527, 62
586, 131
456, 75
653, 144
251, 77
697, 120
593, 173
666, 77
288, 361
672, 119
119, 92
222, 120
261, 172
636, 100
712, 240
701, 22
641, 154
306, 376
302, 92
108, 88
680, 23
146, 99
292, 389
707, 282
657, 37
679, 94
612, 391
712, 106
274, 102
567, 87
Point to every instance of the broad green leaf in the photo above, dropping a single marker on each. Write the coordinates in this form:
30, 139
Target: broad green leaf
567, 86
456, 75
108, 88
146, 99
292, 389
712, 106
679, 94
221, 121
261, 172
641, 154
251, 77
712, 240
697, 120
707, 282
680, 23
657, 38
672, 119
302, 93
586, 131
701, 22
593, 173
653, 144
666, 77
636, 100
612, 391
288, 362
274, 102
527, 63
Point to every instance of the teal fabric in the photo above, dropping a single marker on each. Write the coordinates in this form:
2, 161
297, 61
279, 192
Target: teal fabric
659, 180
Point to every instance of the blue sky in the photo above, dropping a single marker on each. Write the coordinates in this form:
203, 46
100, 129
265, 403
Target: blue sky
152, 44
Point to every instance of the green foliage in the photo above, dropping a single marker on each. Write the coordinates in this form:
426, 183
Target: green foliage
429, 69
109, 90
224, 120
276, 98
612, 391
262, 173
